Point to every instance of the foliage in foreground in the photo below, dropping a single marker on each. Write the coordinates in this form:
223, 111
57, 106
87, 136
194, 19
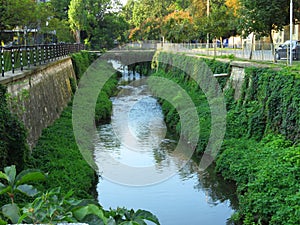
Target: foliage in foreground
57, 153
53, 207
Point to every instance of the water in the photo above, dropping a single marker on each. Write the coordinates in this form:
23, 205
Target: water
140, 169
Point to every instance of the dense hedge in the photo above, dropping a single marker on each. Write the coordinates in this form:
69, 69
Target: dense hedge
81, 61
261, 151
13, 144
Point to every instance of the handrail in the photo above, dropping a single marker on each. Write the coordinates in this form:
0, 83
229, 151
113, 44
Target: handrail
19, 57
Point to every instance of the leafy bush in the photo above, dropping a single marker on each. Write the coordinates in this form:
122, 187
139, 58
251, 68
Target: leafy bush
52, 207
13, 144
81, 61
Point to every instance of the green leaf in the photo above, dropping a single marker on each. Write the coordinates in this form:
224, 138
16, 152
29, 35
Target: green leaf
129, 223
4, 189
12, 212
3, 176
2, 222
29, 175
111, 221
28, 190
20, 220
140, 221
82, 212
143, 214
11, 172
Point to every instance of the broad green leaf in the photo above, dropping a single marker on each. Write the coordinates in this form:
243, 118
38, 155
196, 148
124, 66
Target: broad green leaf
143, 214
111, 221
2, 185
12, 212
129, 223
3, 176
140, 221
10, 171
81, 212
29, 175
87, 210
28, 190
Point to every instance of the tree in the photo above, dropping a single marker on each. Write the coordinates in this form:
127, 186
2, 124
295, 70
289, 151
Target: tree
16, 13
60, 8
77, 17
263, 16
198, 8
145, 9
220, 22
178, 27
110, 30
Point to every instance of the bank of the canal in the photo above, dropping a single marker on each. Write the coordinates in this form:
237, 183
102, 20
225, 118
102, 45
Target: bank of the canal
136, 138
260, 151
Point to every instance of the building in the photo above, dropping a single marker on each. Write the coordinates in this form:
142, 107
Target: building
284, 35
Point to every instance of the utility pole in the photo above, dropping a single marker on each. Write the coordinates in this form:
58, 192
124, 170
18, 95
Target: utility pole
291, 32
207, 13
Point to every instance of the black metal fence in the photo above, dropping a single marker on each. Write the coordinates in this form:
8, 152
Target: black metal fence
20, 57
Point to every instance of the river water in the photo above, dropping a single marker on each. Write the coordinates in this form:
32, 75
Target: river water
137, 137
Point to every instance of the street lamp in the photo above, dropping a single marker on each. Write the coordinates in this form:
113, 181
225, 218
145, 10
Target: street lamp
291, 31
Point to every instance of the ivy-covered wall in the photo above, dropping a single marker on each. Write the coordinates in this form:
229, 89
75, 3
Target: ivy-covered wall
13, 144
39, 96
261, 149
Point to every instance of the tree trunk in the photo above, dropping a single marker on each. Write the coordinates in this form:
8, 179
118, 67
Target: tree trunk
77, 36
272, 46
252, 46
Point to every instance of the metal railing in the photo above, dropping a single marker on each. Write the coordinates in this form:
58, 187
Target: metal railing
20, 57
261, 51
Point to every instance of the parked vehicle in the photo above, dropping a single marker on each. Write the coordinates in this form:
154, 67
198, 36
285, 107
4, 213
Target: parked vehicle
11, 44
283, 50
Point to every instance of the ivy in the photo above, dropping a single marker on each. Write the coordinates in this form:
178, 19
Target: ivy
13, 143
261, 150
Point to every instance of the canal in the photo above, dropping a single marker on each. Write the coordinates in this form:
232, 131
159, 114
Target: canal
137, 137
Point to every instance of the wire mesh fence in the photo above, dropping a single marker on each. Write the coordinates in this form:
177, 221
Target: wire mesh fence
259, 51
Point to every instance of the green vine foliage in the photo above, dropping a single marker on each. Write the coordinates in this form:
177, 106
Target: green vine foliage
81, 61
261, 150
60, 157
13, 144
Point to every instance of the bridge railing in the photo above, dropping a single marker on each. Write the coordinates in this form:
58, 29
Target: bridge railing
21, 57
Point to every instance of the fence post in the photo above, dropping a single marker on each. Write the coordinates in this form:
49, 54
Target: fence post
13, 60
2, 61
21, 58
55, 52
28, 56
40, 54
34, 55
48, 53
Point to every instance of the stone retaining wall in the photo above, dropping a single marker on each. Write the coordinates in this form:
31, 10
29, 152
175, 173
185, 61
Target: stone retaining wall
39, 95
